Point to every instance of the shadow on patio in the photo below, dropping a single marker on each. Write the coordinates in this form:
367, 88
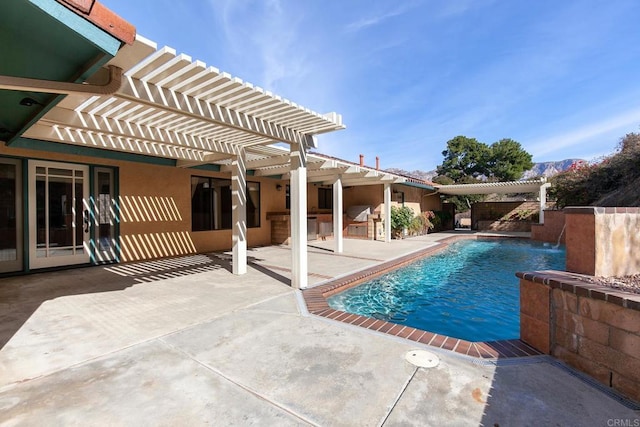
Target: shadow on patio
21, 296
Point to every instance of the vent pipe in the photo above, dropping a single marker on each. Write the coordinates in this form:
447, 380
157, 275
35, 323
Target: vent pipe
377, 163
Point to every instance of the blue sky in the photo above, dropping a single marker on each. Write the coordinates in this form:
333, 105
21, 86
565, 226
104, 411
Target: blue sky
560, 77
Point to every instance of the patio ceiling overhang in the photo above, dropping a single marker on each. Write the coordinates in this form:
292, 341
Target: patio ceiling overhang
530, 186
50, 43
173, 107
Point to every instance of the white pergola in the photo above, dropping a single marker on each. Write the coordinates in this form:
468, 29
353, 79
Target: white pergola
167, 105
529, 186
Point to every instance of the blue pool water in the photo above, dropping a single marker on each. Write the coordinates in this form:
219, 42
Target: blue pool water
467, 291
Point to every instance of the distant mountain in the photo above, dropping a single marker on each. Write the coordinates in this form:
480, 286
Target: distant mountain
546, 169
418, 174
549, 169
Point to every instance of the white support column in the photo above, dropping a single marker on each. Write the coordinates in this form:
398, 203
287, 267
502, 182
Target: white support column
298, 184
239, 213
387, 212
543, 201
337, 215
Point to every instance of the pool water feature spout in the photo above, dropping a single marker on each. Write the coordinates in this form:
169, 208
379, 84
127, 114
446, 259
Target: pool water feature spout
557, 245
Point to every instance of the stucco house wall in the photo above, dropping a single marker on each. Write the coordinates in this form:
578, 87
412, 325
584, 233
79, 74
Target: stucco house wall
155, 203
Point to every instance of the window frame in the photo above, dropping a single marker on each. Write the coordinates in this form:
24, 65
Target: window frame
211, 220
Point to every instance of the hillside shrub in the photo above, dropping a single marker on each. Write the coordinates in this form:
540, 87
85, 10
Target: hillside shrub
583, 184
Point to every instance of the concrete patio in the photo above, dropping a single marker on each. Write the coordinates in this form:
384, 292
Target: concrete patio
185, 342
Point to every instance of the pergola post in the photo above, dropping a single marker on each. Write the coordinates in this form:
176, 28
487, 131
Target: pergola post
298, 184
239, 213
543, 201
387, 212
337, 214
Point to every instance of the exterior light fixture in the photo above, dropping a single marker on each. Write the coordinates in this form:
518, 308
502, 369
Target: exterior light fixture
29, 102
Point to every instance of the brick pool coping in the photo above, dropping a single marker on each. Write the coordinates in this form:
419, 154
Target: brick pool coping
316, 301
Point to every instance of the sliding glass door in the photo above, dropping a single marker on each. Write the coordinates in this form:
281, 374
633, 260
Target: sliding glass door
10, 215
58, 214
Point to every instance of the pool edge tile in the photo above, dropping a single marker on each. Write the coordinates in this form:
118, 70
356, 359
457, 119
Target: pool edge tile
316, 301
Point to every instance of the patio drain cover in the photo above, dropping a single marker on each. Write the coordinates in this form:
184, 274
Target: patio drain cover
422, 358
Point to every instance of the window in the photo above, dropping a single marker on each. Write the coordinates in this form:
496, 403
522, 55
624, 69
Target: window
211, 204
325, 198
398, 196
287, 197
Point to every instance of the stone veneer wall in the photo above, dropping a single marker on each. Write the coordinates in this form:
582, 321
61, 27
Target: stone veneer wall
603, 241
592, 328
551, 229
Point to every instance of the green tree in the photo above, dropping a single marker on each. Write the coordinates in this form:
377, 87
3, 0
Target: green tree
507, 160
466, 158
463, 157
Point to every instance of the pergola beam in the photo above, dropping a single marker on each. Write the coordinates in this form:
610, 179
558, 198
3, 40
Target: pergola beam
124, 129
275, 170
315, 169
78, 136
265, 162
217, 157
268, 161
188, 163
142, 92
362, 179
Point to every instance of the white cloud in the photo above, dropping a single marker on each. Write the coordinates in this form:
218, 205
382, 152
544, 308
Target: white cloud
286, 47
373, 20
453, 8
618, 123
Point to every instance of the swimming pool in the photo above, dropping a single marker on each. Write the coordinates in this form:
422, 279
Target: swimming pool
468, 291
